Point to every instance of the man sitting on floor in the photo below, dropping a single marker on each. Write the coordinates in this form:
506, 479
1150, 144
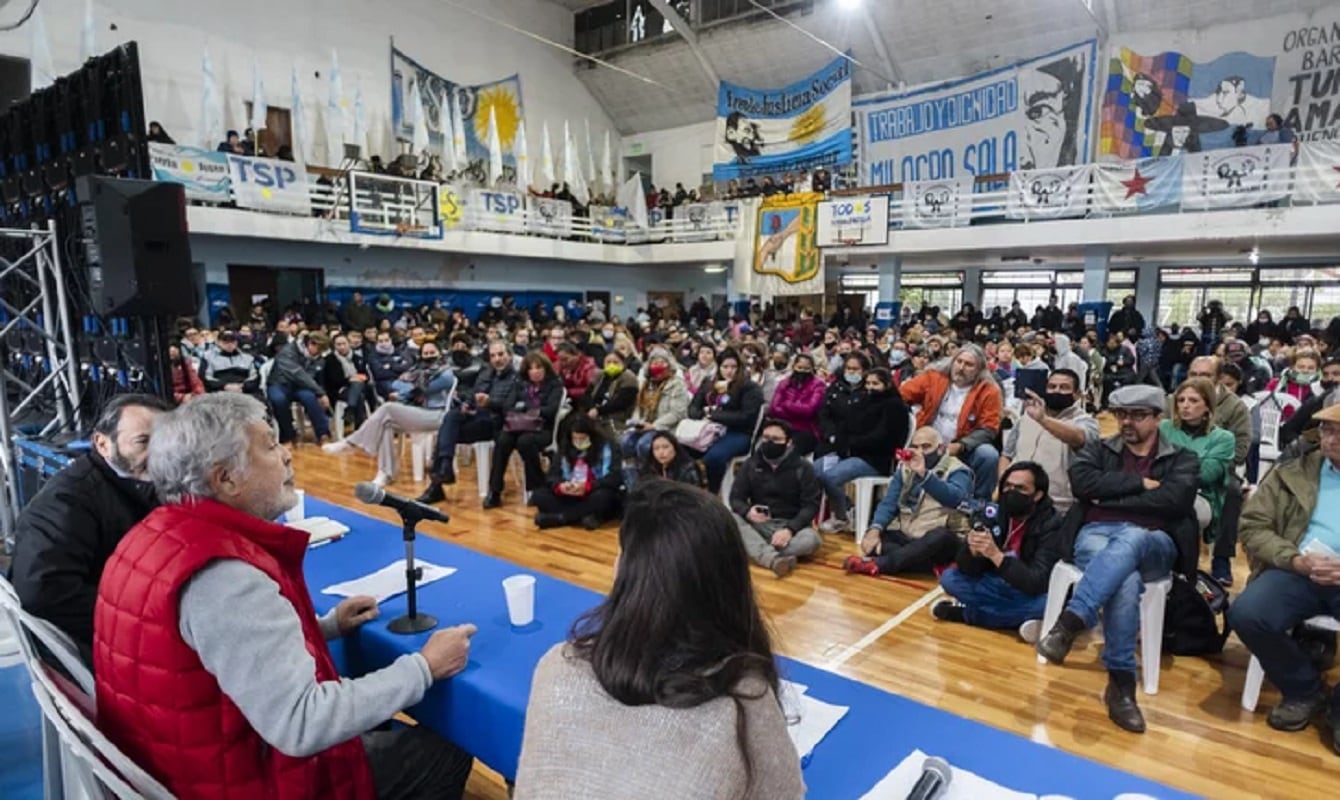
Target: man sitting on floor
1291, 532
775, 498
1004, 584
917, 524
1137, 493
212, 668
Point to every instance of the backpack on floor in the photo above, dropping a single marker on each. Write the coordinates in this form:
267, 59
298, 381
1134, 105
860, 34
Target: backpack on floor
1195, 623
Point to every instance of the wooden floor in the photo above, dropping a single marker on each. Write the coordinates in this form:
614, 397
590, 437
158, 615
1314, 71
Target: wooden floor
879, 630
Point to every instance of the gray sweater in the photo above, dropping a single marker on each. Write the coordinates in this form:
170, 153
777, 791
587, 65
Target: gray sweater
250, 639
580, 742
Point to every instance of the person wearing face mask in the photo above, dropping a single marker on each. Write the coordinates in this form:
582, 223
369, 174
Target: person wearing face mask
613, 397
69, 529
386, 363
584, 479
418, 400
916, 526
860, 426
345, 376
1297, 381
1001, 574
797, 401
1264, 328
661, 403
1051, 431
774, 499
1302, 420
963, 403
464, 363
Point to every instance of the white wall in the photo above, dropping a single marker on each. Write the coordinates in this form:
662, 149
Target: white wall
678, 155
279, 33
349, 265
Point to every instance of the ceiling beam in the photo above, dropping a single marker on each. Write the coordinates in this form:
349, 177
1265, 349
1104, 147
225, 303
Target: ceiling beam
881, 47
681, 26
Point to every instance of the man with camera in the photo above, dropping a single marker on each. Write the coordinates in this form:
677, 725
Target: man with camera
916, 526
1000, 576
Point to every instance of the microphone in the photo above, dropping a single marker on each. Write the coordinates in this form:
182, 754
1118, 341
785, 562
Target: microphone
374, 495
934, 781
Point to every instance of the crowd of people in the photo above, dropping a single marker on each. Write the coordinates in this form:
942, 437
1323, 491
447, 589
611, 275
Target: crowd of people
986, 433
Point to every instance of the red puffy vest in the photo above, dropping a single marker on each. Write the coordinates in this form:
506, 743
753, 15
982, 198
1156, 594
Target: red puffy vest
155, 699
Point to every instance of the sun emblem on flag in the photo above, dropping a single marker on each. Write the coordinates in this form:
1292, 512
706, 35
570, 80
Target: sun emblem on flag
507, 111
807, 127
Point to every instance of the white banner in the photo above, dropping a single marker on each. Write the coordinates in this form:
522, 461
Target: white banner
549, 216
862, 219
694, 222
1318, 172
266, 184
500, 210
204, 173
1034, 115
608, 224
937, 204
1048, 193
1236, 178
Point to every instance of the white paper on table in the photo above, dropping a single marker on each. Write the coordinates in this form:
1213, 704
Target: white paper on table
789, 694
388, 581
816, 719
319, 529
964, 785
1317, 547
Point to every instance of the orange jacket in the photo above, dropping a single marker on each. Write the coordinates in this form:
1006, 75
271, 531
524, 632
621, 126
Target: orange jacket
980, 412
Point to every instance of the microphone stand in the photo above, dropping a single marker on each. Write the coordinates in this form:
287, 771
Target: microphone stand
412, 622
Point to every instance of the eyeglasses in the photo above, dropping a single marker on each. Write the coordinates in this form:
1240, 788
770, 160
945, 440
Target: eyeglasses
1133, 414
1329, 429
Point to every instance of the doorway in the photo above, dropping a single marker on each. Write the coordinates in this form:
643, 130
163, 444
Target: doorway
642, 166
276, 287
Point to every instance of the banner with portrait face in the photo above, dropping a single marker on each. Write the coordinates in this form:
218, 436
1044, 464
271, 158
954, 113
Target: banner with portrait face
1034, 115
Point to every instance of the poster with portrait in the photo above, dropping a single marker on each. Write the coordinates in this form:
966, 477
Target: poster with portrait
800, 127
1033, 115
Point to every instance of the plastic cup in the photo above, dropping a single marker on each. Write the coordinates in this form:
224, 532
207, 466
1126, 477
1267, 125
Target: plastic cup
299, 511
520, 591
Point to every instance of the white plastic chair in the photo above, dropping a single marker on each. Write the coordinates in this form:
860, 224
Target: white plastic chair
1269, 409
564, 409
1251, 689
864, 488
1153, 603
728, 480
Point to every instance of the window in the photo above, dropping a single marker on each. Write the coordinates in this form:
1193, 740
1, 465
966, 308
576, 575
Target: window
1033, 288
1244, 291
942, 289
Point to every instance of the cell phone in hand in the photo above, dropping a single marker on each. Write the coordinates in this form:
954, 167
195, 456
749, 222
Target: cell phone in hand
903, 454
1029, 380
764, 510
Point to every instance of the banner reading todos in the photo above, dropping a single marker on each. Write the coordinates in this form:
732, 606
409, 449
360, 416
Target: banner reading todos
1034, 115
803, 126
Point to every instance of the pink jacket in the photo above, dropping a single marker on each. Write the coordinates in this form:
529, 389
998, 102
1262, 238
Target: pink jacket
798, 404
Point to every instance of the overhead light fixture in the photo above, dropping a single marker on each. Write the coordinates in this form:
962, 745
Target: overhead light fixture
849, 5
714, 269
1255, 255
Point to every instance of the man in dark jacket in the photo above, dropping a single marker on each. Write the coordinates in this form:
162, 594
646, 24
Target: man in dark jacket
1135, 492
296, 378
68, 531
1127, 319
228, 369
358, 315
775, 499
1001, 581
474, 417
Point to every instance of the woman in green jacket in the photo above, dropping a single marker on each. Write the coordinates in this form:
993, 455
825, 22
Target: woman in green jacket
1192, 427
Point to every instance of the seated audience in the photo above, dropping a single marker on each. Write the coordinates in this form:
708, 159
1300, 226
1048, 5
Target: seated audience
1050, 431
67, 531
1298, 380
577, 371
675, 667
613, 399
962, 402
416, 404
185, 381
797, 401
474, 417
668, 461
1192, 428
1001, 573
661, 403
345, 376
204, 590
1068, 359
703, 370
387, 363
916, 526
584, 478
1291, 533
465, 365
1303, 420
529, 415
733, 402
775, 499
860, 436
295, 378
228, 369
1136, 492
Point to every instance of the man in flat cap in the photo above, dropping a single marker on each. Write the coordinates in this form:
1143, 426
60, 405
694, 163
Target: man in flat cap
1135, 495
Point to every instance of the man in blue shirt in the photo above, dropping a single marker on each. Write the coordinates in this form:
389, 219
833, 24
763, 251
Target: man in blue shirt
1291, 532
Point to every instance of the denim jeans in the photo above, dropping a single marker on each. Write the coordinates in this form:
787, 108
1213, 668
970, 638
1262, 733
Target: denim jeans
990, 601
282, 399
985, 463
835, 475
636, 447
1270, 607
1117, 558
731, 444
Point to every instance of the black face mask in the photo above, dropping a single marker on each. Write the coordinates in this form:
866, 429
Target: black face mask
428, 361
460, 357
1327, 386
801, 377
931, 460
1016, 504
771, 450
1058, 401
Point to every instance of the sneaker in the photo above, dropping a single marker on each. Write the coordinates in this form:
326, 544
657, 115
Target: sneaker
948, 611
1294, 715
836, 524
381, 479
1031, 631
855, 565
337, 448
783, 565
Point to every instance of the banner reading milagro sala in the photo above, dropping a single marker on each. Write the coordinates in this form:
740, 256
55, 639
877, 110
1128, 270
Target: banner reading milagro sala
803, 126
1034, 115
503, 96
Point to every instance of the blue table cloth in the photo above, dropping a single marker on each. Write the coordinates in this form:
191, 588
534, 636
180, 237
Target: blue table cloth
483, 708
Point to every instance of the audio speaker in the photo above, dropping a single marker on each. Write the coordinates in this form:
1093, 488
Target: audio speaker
137, 248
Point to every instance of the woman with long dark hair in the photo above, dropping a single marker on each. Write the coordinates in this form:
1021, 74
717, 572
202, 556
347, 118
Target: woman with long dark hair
668, 461
584, 478
733, 401
528, 424
669, 687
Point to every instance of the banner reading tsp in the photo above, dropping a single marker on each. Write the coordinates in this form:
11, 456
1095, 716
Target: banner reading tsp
266, 184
